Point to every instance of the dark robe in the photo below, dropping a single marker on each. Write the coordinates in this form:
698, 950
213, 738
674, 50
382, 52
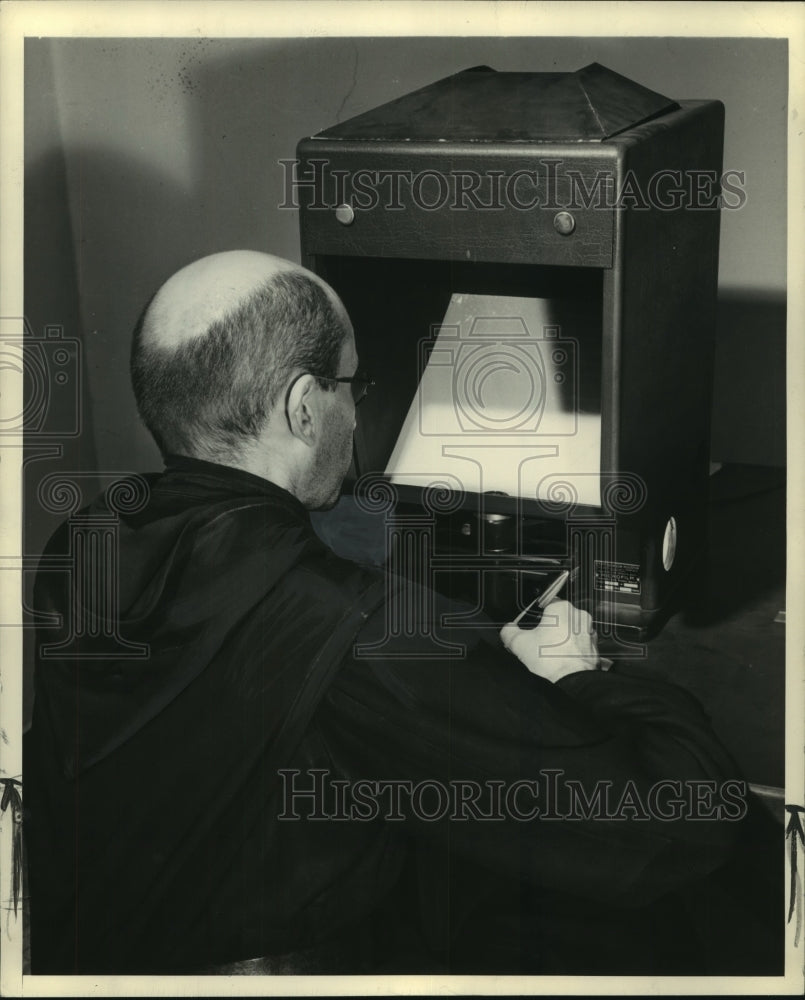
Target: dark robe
160, 829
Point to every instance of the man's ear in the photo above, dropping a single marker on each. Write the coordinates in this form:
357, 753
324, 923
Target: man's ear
301, 409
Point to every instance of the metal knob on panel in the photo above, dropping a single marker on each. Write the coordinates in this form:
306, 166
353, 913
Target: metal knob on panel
564, 223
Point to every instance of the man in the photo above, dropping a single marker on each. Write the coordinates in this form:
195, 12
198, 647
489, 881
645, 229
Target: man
210, 803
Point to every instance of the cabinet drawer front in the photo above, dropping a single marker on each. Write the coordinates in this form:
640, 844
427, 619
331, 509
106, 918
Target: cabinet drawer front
544, 207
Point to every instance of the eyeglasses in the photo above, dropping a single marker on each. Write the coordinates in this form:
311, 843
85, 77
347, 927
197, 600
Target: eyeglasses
360, 383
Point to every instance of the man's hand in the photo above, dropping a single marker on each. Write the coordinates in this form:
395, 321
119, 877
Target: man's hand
563, 643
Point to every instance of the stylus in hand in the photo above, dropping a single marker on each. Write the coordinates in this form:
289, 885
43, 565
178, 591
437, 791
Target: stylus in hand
542, 602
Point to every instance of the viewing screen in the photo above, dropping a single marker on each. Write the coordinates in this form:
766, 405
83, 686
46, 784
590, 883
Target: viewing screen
500, 404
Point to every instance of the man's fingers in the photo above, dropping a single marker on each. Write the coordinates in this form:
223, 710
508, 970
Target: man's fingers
559, 617
582, 621
507, 634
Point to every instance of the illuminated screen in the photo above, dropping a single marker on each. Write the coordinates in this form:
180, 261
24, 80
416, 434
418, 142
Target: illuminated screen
500, 403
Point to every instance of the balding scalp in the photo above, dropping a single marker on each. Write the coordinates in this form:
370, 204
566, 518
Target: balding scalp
206, 390
207, 291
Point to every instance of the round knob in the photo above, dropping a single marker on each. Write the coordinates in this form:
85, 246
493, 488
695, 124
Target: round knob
345, 214
669, 543
564, 223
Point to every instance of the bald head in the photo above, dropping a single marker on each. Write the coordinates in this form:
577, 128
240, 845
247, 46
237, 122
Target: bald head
218, 343
208, 290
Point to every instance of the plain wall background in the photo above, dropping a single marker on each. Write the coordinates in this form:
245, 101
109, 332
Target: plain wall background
144, 154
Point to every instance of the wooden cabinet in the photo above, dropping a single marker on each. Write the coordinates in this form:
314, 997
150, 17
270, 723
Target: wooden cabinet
581, 190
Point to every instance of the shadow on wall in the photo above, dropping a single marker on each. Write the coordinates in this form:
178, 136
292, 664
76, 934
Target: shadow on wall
131, 228
135, 227
57, 415
746, 553
58, 404
749, 391
747, 545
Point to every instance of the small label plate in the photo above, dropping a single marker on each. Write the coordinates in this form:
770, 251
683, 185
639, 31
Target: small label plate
618, 578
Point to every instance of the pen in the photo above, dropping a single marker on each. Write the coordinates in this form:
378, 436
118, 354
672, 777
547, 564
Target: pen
547, 596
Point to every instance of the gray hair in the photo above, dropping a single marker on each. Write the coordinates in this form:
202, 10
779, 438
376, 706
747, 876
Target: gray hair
207, 396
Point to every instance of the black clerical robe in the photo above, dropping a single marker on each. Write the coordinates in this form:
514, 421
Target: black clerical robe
168, 824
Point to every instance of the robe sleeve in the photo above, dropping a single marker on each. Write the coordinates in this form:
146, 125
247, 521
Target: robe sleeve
610, 785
